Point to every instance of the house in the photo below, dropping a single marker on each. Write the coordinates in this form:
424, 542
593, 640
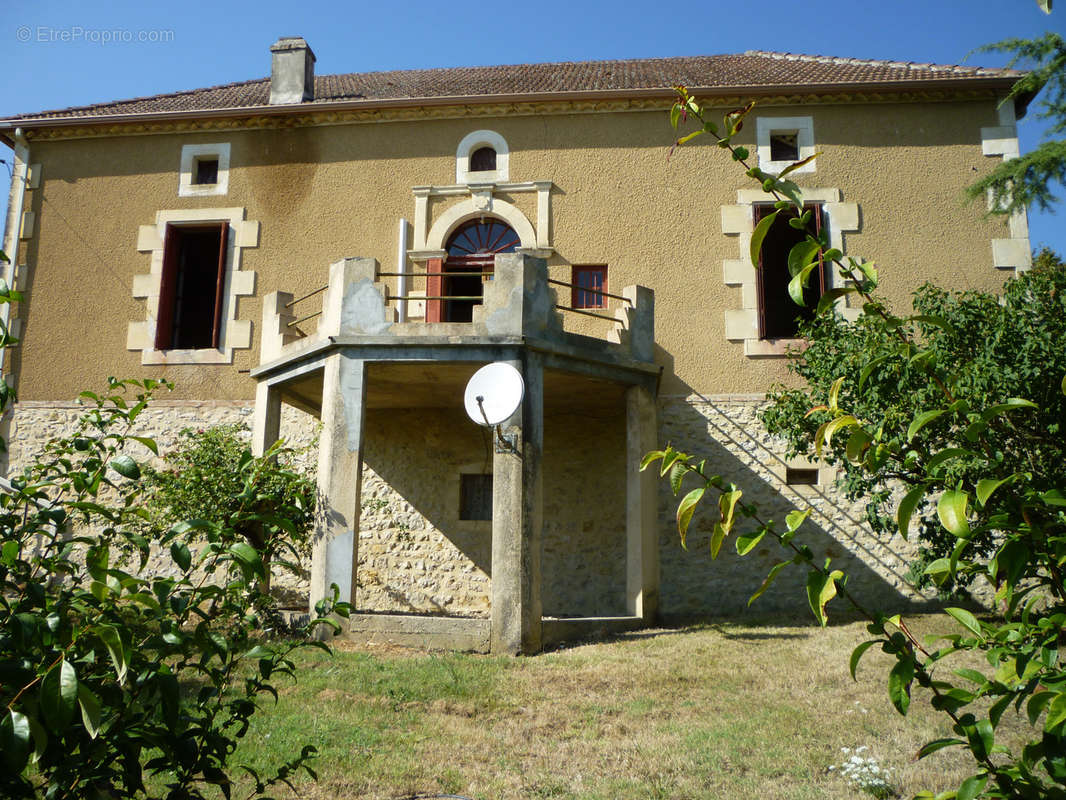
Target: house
352, 248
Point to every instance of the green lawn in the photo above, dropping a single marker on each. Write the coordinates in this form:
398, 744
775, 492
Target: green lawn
723, 710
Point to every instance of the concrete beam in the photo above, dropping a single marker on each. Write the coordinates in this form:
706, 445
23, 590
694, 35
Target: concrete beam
517, 520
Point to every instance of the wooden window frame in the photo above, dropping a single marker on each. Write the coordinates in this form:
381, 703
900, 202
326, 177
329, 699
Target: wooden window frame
164, 330
818, 279
576, 290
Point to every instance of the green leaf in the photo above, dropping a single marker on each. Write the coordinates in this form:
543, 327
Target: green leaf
946, 455
90, 711
1036, 705
1045, 6
179, 551
825, 433
1013, 404
650, 458
15, 741
834, 394
971, 787
1054, 498
922, 420
59, 694
747, 542
857, 653
776, 568
718, 534
857, 444
1056, 713
759, 234
800, 256
966, 619
938, 744
109, 635
126, 467
793, 519
727, 503
986, 486
821, 588
951, 509
147, 441
906, 508
686, 508
830, 297
799, 283
939, 570
677, 474
899, 685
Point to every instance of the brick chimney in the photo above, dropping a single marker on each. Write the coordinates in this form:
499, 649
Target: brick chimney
292, 73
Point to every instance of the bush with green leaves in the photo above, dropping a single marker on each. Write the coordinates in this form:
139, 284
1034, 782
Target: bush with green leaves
993, 346
971, 428
210, 468
115, 684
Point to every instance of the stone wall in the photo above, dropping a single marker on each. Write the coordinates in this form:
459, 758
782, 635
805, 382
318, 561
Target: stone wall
726, 431
416, 555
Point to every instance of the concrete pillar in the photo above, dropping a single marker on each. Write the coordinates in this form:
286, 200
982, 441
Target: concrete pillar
642, 540
335, 550
266, 422
517, 520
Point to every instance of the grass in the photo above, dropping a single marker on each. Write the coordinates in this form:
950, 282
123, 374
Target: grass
723, 710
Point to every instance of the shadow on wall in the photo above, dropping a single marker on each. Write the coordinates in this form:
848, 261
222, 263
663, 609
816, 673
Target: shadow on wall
417, 555
730, 436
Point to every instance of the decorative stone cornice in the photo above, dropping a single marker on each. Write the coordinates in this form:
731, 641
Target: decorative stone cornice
325, 117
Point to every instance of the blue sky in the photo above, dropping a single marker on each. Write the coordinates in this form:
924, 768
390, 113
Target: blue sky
63, 52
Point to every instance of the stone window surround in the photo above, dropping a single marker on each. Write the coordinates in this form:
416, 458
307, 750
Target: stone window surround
1013, 252
190, 153
739, 220
474, 141
235, 334
478, 201
804, 128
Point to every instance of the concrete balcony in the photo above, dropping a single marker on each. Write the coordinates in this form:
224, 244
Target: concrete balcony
360, 358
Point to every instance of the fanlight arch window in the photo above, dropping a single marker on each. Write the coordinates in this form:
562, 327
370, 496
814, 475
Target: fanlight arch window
472, 250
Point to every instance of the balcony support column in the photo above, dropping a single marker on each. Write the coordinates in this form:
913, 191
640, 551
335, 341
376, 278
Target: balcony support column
335, 548
642, 541
517, 518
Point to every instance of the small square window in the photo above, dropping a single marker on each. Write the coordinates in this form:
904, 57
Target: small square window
206, 171
475, 497
588, 286
784, 146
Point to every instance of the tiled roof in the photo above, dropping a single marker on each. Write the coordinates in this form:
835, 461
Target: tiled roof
751, 70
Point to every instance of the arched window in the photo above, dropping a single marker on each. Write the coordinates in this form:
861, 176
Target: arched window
483, 159
472, 250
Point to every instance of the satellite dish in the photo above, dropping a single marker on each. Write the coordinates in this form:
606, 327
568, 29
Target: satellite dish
493, 394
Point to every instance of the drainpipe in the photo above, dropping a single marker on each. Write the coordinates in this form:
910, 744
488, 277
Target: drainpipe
13, 232
401, 266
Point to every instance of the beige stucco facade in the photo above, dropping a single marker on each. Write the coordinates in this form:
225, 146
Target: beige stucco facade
594, 186
320, 193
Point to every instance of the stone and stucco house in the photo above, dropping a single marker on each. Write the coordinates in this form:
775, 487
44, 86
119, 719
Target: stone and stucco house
353, 247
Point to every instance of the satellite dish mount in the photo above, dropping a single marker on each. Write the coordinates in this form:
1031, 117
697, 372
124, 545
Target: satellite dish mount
493, 394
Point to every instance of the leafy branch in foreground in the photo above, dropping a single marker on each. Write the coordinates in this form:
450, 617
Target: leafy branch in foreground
115, 684
983, 459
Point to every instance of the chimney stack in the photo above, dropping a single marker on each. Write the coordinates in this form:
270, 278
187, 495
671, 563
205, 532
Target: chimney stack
292, 73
